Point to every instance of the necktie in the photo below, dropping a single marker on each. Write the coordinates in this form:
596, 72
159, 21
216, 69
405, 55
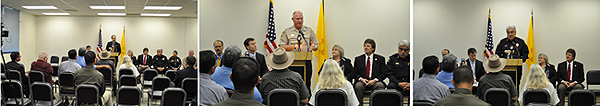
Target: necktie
144, 59
569, 71
218, 61
368, 67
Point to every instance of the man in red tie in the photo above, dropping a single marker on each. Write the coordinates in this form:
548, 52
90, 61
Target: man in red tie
570, 73
370, 69
144, 60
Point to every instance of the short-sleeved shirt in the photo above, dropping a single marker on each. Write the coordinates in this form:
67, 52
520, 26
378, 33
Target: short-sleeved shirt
68, 66
497, 80
461, 97
210, 92
284, 79
429, 89
290, 36
445, 78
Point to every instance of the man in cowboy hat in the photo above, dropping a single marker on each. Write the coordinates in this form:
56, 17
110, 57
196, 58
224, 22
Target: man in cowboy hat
496, 79
282, 77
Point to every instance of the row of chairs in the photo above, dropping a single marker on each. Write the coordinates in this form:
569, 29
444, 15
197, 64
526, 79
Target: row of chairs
332, 97
531, 97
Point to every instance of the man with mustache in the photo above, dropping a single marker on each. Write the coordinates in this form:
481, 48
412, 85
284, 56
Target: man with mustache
218, 45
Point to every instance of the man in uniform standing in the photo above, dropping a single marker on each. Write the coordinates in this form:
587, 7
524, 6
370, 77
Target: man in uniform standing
300, 38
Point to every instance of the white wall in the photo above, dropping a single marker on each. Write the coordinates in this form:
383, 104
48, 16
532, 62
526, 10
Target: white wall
57, 34
348, 23
458, 25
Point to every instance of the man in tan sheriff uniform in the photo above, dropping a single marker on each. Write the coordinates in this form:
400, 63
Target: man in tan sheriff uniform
292, 40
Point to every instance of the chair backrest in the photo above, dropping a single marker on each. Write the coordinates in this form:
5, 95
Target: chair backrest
536, 95
127, 80
149, 74
36, 76
42, 91
54, 59
582, 98
386, 98
87, 94
129, 95
171, 74
125, 71
64, 58
539, 104
66, 79
14, 75
173, 97
12, 89
497, 97
592, 78
107, 73
331, 97
190, 86
422, 104
160, 83
283, 97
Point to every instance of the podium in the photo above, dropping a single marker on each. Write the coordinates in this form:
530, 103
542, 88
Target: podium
300, 60
512, 66
114, 56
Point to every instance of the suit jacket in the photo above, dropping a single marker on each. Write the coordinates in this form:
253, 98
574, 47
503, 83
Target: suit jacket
479, 70
148, 60
378, 69
346, 65
551, 74
260, 58
117, 48
577, 71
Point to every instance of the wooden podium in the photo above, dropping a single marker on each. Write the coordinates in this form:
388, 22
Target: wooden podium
114, 56
512, 65
300, 60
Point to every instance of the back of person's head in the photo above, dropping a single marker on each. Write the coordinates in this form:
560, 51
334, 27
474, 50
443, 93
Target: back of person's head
82, 51
72, 54
449, 63
332, 76
537, 77
231, 54
430, 64
244, 75
14, 56
90, 58
462, 74
191, 61
127, 61
207, 60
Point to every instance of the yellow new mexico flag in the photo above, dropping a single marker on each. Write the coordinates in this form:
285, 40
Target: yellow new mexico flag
321, 53
532, 58
123, 50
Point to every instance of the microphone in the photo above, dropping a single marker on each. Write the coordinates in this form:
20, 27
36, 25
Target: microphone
302, 34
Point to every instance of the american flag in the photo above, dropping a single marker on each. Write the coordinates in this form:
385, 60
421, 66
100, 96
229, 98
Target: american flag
99, 48
489, 41
270, 36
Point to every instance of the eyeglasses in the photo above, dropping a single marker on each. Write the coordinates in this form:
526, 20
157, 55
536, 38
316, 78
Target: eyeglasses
402, 49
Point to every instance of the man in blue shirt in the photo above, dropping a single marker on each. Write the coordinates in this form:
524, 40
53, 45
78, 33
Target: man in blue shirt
221, 75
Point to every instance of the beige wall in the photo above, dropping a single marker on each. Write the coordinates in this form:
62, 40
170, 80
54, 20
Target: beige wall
348, 23
458, 25
57, 34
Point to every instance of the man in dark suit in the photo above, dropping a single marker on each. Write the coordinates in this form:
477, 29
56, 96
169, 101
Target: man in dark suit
15, 65
187, 72
476, 66
370, 70
144, 60
250, 45
570, 74
113, 46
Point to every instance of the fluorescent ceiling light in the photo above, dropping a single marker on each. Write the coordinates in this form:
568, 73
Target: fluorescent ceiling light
162, 7
111, 14
151, 14
39, 7
56, 13
107, 7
